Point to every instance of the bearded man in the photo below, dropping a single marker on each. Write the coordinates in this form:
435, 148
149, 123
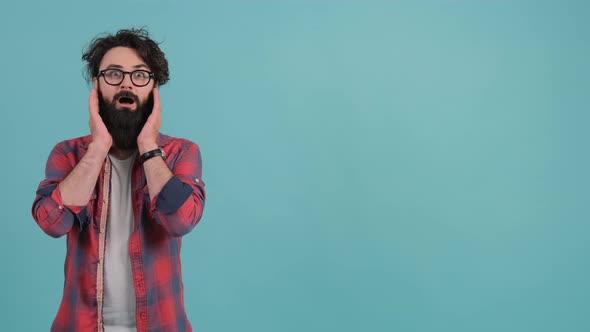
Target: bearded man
124, 196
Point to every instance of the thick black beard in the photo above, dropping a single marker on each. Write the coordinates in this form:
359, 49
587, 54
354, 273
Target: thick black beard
123, 124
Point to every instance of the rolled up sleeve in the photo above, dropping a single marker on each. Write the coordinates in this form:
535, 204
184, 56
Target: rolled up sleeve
178, 207
49, 212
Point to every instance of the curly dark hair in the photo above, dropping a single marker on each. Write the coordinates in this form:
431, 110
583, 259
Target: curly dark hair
137, 39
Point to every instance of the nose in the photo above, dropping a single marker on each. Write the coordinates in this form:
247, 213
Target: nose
126, 83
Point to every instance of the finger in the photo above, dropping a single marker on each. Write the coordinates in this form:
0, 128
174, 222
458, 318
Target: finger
93, 101
157, 108
152, 120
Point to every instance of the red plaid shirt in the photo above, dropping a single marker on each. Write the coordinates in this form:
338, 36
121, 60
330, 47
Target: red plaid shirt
154, 245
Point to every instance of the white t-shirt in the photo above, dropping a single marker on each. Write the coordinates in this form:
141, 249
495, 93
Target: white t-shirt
119, 294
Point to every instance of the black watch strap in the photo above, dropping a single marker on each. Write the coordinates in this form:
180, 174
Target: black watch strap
151, 154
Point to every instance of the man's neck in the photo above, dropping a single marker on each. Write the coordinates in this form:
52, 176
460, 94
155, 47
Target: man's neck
121, 154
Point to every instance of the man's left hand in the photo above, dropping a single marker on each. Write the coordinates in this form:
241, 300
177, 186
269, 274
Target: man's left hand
146, 140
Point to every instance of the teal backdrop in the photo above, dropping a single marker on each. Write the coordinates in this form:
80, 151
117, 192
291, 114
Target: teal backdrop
369, 165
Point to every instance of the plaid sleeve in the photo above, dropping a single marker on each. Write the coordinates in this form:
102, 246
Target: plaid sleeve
55, 218
179, 205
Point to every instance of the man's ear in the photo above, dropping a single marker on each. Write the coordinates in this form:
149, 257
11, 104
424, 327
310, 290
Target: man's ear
94, 82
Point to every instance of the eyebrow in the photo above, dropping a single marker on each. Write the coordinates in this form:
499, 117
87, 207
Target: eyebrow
136, 66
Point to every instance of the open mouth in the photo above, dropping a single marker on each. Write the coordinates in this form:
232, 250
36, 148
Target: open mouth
126, 101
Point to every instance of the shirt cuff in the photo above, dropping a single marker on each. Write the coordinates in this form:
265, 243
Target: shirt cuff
172, 196
78, 211
56, 196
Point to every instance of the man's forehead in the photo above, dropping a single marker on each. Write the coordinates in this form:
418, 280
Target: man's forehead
122, 57
118, 66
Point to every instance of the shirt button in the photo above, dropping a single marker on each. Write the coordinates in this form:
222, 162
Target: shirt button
197, 180
61, 207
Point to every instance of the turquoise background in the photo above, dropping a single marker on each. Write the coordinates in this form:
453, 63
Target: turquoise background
369, 165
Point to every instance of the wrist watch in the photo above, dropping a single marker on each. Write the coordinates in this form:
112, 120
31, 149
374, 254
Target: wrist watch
151, 154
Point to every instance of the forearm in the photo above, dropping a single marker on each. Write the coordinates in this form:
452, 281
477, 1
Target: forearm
176, 192
77, 187
157, 174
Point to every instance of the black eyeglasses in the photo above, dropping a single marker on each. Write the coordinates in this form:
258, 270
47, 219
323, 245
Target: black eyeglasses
139, 78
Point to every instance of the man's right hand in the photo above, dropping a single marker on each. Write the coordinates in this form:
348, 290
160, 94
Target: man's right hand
101, 138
